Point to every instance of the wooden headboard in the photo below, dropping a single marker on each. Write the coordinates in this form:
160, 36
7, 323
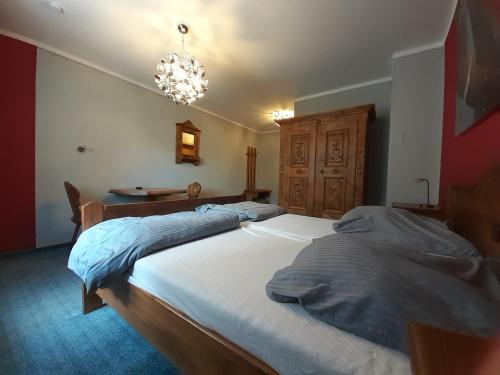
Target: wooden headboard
93, 212
474, 212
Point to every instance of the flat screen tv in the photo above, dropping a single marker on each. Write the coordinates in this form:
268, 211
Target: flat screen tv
478, 61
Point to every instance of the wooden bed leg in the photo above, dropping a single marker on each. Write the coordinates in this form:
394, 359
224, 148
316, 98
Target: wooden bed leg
90, 302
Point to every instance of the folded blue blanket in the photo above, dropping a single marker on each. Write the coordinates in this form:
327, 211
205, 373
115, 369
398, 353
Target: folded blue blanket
248, 210
109, 248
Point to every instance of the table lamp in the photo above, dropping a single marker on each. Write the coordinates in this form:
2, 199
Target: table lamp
420, 180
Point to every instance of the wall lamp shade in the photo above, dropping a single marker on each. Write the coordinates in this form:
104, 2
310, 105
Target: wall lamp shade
187, 139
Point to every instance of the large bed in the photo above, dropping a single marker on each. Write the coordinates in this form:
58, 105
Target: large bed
203, 303
220, 283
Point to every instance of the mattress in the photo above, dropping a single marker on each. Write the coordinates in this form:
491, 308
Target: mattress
220, 283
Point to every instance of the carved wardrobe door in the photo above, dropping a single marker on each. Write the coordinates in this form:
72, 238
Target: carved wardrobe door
340, 153
297, 159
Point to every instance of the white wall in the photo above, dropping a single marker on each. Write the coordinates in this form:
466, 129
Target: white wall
416, 126
131, 135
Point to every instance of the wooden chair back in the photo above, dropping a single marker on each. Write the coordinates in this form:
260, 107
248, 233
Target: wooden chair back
193, 190
74, 201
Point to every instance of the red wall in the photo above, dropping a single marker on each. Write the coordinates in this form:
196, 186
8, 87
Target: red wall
17, 146
467, 157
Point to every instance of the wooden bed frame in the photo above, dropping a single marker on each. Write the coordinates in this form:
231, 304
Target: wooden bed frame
473, 212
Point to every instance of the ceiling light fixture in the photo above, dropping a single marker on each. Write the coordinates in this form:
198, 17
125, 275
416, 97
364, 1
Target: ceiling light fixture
281, 115
52, 5
181, 78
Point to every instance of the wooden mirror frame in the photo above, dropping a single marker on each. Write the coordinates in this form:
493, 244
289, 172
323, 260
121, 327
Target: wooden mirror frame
180, 156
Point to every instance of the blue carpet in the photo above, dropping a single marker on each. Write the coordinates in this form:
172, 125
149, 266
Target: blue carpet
42, 329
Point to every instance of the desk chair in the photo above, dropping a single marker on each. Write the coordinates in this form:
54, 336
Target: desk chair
74, 201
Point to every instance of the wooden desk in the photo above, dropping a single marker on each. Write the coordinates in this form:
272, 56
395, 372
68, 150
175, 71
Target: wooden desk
150, 194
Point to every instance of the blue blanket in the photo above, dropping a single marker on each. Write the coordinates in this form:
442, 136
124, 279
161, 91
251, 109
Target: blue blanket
109, 248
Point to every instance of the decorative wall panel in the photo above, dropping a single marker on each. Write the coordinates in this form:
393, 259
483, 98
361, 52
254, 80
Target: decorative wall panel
299, 150
298, 193
337, 147
335, 190
468, 157
17, 154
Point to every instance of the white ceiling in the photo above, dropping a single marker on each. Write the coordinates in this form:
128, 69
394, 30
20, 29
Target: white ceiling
259, 55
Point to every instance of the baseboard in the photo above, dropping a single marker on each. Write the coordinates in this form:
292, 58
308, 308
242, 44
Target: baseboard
36, 249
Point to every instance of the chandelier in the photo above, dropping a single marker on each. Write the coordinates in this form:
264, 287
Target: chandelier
181, 78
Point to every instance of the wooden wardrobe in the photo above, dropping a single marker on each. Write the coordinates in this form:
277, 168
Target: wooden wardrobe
322, 161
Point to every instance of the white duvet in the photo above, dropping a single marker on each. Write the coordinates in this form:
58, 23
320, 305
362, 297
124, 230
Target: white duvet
220, 283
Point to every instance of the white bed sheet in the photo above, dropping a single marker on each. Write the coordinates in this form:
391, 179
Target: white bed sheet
220, 283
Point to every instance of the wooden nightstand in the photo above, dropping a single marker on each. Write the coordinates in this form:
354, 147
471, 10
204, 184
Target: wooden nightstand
434, 351
433, 211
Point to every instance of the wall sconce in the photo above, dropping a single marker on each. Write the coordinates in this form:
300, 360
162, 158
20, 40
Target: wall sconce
187, 139
83, 149
281, 115
419, 180
187, 148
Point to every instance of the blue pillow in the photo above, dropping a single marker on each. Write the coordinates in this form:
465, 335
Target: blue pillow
402, 229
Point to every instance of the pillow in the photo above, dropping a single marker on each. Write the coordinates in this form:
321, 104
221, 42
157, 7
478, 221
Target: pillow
264, 212
247, 210
220, 207
392, 227
374, 293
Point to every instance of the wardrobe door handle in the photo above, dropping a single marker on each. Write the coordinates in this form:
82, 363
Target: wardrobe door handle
321, 171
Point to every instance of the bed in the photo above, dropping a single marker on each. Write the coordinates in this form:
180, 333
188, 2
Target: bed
224, 323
